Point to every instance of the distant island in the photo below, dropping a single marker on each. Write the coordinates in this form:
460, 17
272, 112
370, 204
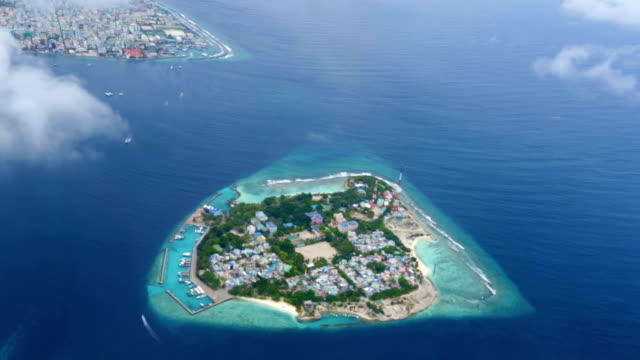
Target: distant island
348, 252
141, 30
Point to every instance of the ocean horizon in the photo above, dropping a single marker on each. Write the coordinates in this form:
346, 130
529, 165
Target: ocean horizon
536, 174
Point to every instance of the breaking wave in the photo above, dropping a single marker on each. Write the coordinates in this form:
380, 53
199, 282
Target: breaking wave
342, 174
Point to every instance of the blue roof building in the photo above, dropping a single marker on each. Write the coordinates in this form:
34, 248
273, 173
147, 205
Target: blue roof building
271, 227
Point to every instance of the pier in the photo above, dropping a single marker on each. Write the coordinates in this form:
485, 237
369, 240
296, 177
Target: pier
215, 196
164, 266
194, 312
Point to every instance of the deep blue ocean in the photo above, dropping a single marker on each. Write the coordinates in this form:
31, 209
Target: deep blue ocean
545, 175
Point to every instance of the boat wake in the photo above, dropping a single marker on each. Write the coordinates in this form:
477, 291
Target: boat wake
149, 329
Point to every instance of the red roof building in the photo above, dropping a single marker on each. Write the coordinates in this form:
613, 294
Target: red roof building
133, 53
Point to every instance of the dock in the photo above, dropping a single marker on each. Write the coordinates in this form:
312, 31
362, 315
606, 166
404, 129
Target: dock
164, 266
215, 196
194, 312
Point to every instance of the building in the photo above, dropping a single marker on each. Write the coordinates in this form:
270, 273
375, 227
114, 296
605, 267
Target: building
338, 219
132, 53
251, 229
271, 227
348, 226
315, 217
261, 216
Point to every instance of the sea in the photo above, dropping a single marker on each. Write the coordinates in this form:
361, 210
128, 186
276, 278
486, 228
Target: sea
539, 178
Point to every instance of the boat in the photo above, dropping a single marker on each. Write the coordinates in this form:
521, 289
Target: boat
121, 94
201, 296
186, 254
128, 140
109, 93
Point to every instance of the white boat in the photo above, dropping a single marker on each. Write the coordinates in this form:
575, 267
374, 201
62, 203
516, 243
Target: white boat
186, 254
128, 140
121, 94
109, 93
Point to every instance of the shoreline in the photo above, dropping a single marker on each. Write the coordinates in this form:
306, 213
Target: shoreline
278, 305
410, 234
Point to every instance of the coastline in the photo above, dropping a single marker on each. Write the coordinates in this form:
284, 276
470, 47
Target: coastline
278, 305
425, 300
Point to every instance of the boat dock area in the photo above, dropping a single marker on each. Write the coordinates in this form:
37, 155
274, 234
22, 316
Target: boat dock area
178, 273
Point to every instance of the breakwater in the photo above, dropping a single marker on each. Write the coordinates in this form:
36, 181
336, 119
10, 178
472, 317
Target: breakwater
164, 266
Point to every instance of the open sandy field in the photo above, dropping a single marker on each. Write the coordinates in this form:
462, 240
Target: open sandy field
321, 249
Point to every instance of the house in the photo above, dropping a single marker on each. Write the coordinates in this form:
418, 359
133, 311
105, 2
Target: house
315, 217
348, 226
261, 227
271, 227
316, 230
251, 229
261, 216
338, 219
288, 225
133, 53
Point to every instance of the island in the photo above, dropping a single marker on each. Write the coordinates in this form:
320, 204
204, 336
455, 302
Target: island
347, 252
138, 30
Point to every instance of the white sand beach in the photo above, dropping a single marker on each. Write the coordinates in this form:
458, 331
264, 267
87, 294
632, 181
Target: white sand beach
279, 305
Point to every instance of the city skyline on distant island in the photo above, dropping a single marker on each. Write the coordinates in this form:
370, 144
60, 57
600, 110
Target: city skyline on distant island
139, 30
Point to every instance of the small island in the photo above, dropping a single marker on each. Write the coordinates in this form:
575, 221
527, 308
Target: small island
138, 30
348, 252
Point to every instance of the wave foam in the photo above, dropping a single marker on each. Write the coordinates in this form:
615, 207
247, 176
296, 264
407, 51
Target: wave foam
342, 174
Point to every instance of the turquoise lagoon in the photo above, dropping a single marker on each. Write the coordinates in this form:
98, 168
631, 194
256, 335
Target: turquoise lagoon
469, 281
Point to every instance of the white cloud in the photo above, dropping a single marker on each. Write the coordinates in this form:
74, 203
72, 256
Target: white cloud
603, 66
620, 12
44, 116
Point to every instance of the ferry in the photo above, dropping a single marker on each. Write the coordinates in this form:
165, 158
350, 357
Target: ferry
128, 140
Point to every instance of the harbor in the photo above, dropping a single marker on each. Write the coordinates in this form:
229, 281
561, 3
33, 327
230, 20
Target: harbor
178, 272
